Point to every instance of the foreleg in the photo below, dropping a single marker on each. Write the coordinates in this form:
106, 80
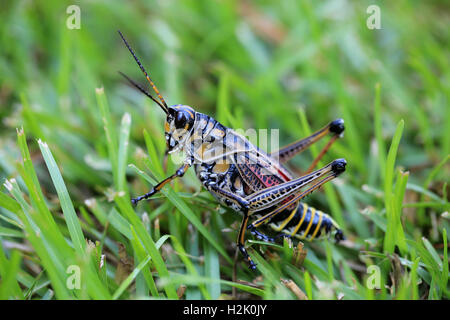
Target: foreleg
179, 173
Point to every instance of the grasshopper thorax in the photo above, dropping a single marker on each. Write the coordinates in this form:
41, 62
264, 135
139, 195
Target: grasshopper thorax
179, 123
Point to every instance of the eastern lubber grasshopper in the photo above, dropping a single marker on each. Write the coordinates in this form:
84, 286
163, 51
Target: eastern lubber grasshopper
245, 178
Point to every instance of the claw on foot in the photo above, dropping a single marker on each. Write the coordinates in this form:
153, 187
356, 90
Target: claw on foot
252, 265
339, 236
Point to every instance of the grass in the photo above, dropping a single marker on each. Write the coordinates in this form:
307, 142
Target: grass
77, 143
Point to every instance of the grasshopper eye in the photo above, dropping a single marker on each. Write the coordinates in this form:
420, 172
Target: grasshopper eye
180, 120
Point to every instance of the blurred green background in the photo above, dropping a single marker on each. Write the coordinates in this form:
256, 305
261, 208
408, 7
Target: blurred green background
288, 65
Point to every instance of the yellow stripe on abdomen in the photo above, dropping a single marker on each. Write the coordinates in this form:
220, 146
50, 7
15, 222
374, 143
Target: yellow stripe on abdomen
320, 213
313, 213
304, 213
286, 221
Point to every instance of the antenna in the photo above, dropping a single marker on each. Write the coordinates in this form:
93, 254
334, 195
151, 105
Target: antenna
143, 91
145, 73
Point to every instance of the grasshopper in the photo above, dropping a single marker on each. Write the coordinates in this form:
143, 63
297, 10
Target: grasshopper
243, 177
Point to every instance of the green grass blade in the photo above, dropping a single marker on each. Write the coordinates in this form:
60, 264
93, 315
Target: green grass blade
390, 236
138, 229
308, 285
399, 194
191, 268
43, 248
141, 255
130, 278
392, 155
111, 135
151, 149
191, 280
444, 281
378, 131
9, 286
8, 274
432, 251
76, 234
123, 152
186, 211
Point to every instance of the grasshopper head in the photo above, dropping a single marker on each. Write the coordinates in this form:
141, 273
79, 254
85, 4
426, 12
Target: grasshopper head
179, 122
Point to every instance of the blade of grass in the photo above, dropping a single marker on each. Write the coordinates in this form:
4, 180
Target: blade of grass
154, 157
138, 229
190, 267
399, 193
29, 176
426, 184
186, 211
123, 152
415, 286
378, 131
212, 269
308, 285
111, 136
444, 278
432, 251
141, 255
192, 280
8, 272
76, 233
130, 278
43, 248
8, 289
120, 223
391, 229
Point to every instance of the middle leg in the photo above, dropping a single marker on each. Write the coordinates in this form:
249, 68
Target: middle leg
266, 238
240, 204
